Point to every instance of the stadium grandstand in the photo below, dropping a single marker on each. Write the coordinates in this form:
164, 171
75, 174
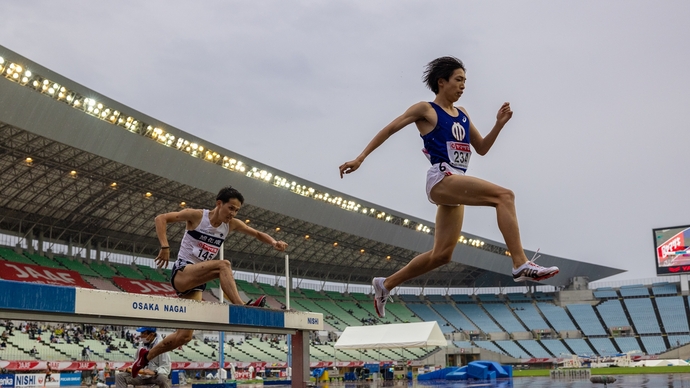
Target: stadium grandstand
84, 176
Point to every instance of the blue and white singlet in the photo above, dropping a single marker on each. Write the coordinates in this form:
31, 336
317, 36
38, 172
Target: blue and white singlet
449, 141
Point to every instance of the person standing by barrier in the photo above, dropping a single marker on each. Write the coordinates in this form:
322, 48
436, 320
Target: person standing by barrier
157, 370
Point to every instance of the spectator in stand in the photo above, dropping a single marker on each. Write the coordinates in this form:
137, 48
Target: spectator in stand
157, 370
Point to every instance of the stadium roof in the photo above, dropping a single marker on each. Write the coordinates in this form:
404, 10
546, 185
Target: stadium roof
80, 167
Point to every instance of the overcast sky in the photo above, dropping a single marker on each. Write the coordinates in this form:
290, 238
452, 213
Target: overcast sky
596, 152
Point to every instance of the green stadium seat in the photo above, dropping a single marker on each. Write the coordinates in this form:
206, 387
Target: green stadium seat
361, 297
128, 271
337, 295
75, 265
102, 269
311, 294
270, 290
10, 255
151, 273
43, 261
248, 288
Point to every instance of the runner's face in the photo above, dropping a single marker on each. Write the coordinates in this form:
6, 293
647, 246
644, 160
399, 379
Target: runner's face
229, 210
454, 87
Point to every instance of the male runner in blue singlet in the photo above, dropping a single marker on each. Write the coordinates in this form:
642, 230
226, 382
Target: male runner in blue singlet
448, 132
194, 267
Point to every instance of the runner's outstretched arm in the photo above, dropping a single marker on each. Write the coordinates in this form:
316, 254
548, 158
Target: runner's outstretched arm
413, 114
265, 238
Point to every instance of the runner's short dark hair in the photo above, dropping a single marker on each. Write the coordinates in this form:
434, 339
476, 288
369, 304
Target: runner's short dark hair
227, 193
440, 68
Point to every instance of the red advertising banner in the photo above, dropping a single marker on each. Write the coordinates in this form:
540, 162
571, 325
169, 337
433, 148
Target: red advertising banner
89, 365
37, 274
144, 286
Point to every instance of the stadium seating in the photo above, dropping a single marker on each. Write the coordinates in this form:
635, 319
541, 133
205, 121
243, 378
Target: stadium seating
586, 318
462, 298
678, 340
454, 316
518, 297
427, 314
605, 293
579, 346
634, 291
628, 344
489, 298
102, 269
603, 346
673, 314
664, 289
504, 316
398, 310
43, 261
410, 298
128, 271
557, 316
612, 313
151, 273
534, 348
512, 349
435, 298
477, 315
653, 344
488, 345
76, 265
643, 316
101, 284
556, 347
529, 315
10, 255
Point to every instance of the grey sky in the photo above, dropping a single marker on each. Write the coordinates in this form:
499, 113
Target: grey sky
596, 152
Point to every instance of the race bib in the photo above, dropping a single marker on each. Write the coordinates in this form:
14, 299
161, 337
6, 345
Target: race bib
204, 251
459, 154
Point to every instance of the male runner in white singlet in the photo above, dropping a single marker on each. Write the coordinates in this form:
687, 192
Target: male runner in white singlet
194, 267
448, 133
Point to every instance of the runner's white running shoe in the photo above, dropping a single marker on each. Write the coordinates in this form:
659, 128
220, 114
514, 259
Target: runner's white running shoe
534, 272
381, 296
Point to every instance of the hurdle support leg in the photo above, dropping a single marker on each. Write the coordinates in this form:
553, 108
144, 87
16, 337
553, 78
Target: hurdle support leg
300, 359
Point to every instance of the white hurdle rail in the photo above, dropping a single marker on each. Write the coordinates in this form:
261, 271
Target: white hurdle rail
41, 302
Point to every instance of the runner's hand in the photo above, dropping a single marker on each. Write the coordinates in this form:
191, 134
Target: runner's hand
349, 167
163, 258
280, 245
504, 114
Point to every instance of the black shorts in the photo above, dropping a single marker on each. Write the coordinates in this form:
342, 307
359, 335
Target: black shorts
179, 266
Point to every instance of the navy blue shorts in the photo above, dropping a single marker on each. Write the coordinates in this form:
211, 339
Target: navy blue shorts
179, 266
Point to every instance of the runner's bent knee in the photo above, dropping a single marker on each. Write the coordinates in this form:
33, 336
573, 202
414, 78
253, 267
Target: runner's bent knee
506, 197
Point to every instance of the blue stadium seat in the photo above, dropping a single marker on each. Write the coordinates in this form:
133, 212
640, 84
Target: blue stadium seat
475, 313
557, 316
587, 320
612, 313
643, 316
504, 317
673, 314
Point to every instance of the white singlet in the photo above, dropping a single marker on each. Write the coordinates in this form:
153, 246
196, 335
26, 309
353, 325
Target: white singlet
203, 243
